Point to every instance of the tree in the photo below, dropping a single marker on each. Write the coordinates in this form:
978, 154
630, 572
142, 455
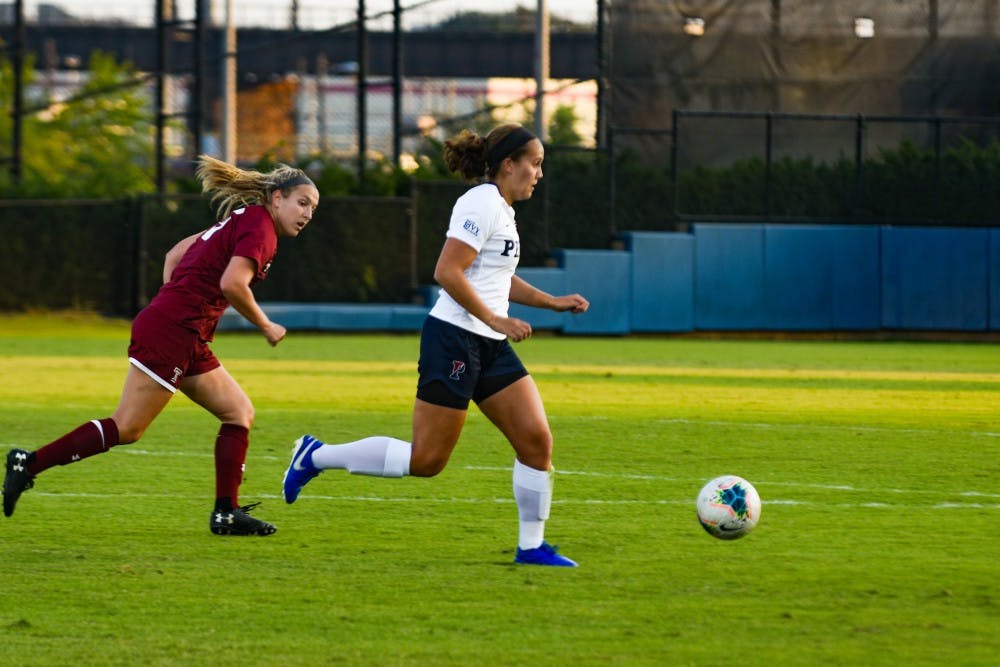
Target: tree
98, 143
562, 127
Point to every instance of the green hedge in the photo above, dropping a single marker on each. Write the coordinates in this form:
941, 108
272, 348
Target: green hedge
907, 184
107, 255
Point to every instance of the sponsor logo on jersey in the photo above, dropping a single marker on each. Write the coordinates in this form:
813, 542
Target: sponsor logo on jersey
471, 227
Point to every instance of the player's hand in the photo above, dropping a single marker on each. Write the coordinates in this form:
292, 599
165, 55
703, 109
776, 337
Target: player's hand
515, 329
574, 303
274, 333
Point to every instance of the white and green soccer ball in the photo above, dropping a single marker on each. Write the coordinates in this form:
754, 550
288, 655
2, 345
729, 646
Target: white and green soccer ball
728, 507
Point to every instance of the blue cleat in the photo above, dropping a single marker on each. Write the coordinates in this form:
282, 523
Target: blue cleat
543, 555
301, 468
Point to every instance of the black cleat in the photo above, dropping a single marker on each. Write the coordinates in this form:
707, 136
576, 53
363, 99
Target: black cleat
237, 522
17, 480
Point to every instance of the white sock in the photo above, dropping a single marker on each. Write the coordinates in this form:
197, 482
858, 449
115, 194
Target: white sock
533, 494
379, 455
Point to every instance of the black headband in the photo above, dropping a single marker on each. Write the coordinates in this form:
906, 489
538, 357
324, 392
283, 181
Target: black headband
298, 179
508, 145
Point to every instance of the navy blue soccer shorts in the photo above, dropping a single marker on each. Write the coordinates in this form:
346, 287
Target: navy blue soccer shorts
457, 366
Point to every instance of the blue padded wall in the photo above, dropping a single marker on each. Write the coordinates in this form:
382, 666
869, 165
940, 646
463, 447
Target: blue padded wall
729, 276
821, 278
408, 317
602, 276
935, 278
856, 292
548, 280
292, 316
798, 278
994, 284
662, 281
738, 277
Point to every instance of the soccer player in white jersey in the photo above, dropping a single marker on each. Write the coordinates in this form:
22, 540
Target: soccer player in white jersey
465, 353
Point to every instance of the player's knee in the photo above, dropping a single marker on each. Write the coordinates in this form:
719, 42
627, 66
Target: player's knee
129, 433
535, 449
539, 441
242, 415
248, 415
544, 440
424, 465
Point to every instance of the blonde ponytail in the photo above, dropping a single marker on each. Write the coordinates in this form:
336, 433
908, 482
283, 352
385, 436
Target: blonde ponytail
233, 187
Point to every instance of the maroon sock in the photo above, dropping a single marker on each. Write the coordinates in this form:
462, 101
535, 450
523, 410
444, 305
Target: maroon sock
94, 437
230, 454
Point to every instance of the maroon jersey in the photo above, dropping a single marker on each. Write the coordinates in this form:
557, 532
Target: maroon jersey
193, 298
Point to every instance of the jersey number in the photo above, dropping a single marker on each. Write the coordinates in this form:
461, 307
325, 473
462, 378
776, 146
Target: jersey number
219, 225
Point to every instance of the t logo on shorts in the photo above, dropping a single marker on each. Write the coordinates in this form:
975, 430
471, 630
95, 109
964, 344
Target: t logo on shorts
457, 368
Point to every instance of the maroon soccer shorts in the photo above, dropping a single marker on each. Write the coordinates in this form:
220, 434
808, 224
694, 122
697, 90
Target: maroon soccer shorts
166, 351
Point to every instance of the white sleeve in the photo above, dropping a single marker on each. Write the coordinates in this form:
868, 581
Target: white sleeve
472, 220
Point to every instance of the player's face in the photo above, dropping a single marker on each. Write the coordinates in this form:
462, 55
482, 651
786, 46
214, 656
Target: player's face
292, 213
526, 171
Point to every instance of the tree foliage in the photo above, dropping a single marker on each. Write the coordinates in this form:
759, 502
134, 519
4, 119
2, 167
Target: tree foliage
562, 127
98, 143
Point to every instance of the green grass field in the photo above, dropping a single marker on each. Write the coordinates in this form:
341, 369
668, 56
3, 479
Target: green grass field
878, 464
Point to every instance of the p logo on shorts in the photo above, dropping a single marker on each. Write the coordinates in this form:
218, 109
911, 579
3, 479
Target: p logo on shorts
457, 368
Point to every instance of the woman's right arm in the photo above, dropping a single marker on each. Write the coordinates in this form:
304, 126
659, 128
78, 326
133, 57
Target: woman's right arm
173, 256
449, 273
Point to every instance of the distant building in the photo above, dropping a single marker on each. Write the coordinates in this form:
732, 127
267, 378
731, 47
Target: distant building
326, 109
306, 115
44, 14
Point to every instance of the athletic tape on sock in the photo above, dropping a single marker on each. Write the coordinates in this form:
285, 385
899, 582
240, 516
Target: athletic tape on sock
397, 458
532, 491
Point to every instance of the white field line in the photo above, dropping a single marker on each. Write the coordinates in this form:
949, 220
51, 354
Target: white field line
509, 501
602, 475
791, 426
589, 501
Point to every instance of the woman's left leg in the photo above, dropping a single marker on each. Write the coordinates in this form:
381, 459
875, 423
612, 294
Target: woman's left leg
518, 412
219, 393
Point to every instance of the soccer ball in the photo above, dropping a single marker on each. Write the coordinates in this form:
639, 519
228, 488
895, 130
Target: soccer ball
728, 507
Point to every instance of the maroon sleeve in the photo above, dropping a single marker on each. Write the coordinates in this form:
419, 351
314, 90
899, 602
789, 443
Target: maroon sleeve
256, 239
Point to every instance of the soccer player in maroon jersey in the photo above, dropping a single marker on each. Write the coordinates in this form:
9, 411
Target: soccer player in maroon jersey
202, 275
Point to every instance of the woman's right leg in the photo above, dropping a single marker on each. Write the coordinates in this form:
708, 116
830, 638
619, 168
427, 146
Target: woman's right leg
438, 417
141, 401
436, 430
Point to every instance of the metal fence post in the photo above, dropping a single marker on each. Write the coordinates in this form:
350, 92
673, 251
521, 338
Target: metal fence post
412, 210
937, 168
768, 141
611, 176
675, 117
140, 254
859, 130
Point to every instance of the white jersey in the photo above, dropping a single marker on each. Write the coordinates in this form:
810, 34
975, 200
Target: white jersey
482, 219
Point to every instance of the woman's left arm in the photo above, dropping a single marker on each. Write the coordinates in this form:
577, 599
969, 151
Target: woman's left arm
235, 286
527, 294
